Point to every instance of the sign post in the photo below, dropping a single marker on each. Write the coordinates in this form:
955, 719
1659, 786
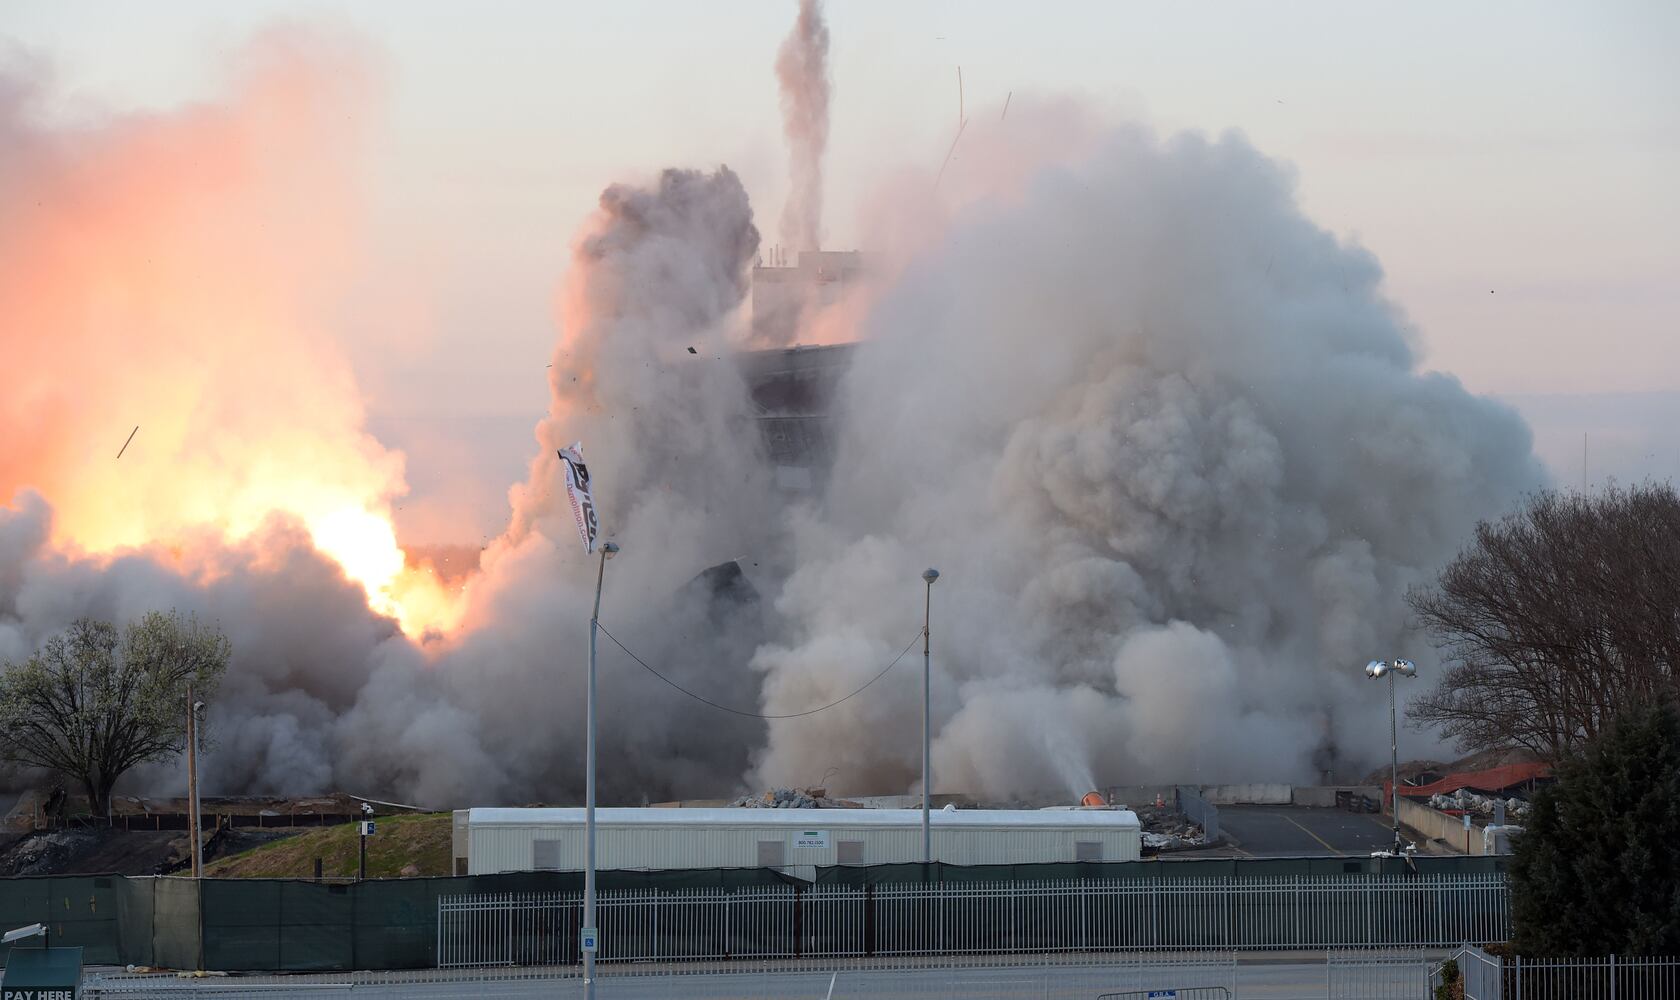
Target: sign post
364, 830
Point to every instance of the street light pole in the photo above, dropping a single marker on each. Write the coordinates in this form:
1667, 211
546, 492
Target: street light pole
1376, 670
929, 576
589, 926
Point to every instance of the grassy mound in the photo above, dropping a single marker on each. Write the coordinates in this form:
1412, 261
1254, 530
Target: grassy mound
402, 846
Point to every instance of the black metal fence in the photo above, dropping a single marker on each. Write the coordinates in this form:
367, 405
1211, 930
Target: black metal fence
299, 925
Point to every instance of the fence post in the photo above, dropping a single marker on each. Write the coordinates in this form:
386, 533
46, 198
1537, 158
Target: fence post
1612, 977
869, 918
798, 923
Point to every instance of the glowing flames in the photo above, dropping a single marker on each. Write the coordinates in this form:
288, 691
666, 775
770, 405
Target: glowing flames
364, 544
179, 271
357, 534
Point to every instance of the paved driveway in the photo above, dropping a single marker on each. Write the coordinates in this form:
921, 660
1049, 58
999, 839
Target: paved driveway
1289, 832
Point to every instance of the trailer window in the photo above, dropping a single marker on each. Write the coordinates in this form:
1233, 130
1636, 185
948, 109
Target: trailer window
850, 852
1087, 850
545, 855
771, 854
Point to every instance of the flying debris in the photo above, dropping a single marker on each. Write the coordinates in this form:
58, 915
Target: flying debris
131, 434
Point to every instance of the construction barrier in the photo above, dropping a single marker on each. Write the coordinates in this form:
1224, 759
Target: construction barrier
301, 925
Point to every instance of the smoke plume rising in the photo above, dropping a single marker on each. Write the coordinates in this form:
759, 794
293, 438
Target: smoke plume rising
802, 75
1165, 438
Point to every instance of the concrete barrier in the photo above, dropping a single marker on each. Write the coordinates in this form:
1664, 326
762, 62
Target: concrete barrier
1251, 794
1324, 796
1137, 796
1434, 824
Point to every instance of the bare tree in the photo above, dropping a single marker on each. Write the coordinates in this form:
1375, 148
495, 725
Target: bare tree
92, 702
1556, 617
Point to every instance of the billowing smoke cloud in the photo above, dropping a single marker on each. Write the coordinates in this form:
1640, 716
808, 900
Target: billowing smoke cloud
681, 485
1166, 440
1164, 437
802, 74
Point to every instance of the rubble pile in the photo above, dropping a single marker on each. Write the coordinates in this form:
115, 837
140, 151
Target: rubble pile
792, 798
46, 853
1482, 805
1166, 829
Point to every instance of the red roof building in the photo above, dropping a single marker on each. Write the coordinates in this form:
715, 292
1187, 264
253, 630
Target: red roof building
1494, 779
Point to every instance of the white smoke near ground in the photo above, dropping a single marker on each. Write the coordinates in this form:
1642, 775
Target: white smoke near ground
1168, 444
802, 75
1165, 438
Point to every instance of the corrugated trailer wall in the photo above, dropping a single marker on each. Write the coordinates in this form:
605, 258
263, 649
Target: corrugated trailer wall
815, 838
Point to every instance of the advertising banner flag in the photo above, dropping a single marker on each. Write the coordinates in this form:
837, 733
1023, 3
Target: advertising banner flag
578, 492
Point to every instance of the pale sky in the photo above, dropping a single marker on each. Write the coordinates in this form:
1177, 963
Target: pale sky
1511, 164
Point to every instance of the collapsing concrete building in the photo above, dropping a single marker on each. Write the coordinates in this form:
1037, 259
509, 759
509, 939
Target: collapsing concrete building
793, 388
792, 391
783, 293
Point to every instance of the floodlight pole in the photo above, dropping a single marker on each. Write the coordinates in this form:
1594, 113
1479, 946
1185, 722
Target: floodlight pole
1375, 670
1394, 761
607, 550
929, 576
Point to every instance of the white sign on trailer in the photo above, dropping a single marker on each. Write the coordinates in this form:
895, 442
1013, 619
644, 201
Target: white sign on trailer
811, 838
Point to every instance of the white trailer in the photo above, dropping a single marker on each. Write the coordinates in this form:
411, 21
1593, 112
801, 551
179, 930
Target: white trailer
487, 841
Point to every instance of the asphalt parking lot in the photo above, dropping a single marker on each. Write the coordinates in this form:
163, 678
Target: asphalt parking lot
1291, 831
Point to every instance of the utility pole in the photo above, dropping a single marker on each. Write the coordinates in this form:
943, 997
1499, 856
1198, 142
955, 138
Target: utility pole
192, 784
929, 576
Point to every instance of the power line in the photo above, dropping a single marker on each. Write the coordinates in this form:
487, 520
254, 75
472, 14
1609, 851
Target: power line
755, 715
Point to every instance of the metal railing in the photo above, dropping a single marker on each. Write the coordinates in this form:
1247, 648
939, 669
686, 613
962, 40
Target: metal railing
1612, 978
972, 918
1199, 811
1615, 977
1377, 976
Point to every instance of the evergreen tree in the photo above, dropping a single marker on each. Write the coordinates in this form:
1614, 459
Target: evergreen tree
1596, 870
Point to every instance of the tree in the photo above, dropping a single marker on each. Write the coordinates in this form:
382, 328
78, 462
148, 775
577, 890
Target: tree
1554, 618
92, 702
1595, 871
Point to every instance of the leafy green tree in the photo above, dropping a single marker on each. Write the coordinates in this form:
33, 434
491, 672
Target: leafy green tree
1596, 871
94, 702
